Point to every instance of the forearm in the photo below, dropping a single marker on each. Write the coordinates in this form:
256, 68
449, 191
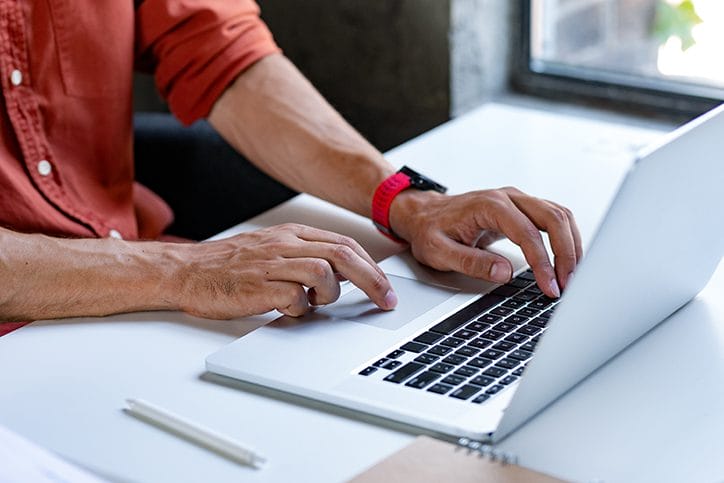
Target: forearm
44, 277
276, 118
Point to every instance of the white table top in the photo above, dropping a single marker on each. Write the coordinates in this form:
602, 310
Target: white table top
652, 414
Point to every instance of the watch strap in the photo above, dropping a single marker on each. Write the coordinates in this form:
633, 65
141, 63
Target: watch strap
382, 200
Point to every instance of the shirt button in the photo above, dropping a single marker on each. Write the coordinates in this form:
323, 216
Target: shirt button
115, 234
16, 77
44, 167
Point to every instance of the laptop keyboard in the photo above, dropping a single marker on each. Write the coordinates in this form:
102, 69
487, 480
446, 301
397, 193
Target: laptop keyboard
478, 351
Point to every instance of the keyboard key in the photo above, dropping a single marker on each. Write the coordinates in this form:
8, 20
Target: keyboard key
482, 381
504, 346
490, 318
395, 354
440, 388
480, 343
505, 327
494, 372
481, 398
452, 342
477, 326
466, 314
527, 275
519, 282
493, 334
539, 322
414, 347
547, 314
505, 291
517, 338
480, 362
520, 355
508, 380
519, 371
526, 296
440, 350
541, 303
466, 371
529, 346
380, 363
507, 363
495, 389
454, 360
513, 303
528, 312
392, 365
442, 368
492, 354
465, 392
426, 358
516, 319
422, 380
467, 351
501, 311
465, 334
404, 372
428, 338
367, 371
453, 380
529, 329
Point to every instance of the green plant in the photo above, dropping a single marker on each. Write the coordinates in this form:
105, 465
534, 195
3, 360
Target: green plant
676, 21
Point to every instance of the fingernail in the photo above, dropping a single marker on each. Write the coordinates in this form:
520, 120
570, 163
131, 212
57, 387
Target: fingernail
390, 299
554, 288
500, 272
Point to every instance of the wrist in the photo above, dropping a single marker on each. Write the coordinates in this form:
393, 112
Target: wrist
405, 209
399, 185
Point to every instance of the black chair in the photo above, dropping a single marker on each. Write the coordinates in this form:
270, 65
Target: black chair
209, 186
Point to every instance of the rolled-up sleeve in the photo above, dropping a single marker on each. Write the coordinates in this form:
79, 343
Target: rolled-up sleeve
196, 48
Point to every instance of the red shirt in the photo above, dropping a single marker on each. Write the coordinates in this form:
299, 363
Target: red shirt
66, 67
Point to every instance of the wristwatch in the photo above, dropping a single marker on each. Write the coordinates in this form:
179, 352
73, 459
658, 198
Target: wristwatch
391, 187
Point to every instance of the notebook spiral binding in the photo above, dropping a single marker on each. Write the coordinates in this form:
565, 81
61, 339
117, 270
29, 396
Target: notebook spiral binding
487, 451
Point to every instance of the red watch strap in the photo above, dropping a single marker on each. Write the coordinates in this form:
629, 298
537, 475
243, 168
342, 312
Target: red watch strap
382, 199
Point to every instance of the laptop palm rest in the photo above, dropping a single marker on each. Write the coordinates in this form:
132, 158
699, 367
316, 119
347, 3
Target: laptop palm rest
415, 298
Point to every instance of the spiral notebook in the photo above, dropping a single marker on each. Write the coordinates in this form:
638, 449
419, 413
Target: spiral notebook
431, 460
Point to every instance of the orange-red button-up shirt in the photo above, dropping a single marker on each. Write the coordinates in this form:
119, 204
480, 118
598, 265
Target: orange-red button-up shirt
66, 66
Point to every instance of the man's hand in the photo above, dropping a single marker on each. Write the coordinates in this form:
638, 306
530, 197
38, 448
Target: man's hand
255, 272
450, 233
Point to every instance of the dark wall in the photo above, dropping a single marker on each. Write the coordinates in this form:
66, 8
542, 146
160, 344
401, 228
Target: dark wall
384, 64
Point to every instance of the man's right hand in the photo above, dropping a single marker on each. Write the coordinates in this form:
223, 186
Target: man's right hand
268, 269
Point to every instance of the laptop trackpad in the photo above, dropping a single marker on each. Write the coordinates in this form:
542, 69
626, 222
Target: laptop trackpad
414, 299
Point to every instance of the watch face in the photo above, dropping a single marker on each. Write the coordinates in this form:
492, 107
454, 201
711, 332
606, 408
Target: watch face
421, 182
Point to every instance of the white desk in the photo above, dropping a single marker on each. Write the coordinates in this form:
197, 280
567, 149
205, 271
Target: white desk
64, 382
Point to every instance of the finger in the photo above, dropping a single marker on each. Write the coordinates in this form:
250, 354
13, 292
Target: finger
514, 224
574, 231
348, 263
474, 262
315, 273
553, 220
486, 238
309, 233
289, 298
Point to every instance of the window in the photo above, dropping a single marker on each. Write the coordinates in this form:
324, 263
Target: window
661, 54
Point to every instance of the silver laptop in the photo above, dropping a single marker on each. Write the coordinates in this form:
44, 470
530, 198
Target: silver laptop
480, 365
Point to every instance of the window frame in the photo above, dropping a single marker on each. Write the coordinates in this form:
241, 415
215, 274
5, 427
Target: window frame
666, 99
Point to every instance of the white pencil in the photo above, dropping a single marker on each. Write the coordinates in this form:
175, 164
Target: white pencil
195, 433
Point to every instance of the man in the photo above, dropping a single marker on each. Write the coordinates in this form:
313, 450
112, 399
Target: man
72, 215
